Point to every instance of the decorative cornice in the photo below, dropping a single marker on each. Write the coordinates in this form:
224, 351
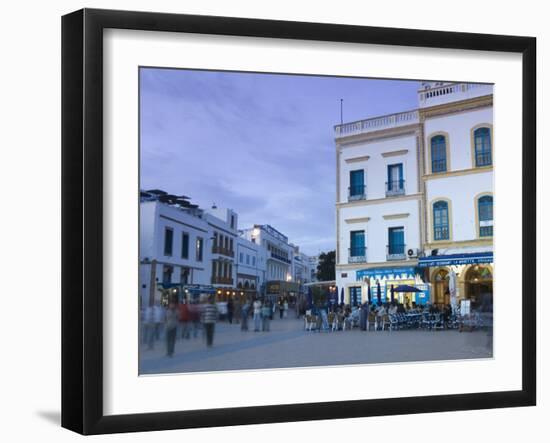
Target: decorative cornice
458, 172
357, 220
459, 244
383, 264
357, 159
395, 216
350, 141
456, 107
394, 153
377, 201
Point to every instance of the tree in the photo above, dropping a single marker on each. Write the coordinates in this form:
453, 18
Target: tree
326, 269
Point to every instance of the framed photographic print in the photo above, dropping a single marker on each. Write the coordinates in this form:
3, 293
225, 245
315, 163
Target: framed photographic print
305, 221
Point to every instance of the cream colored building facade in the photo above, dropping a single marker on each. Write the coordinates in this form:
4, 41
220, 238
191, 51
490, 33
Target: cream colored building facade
408, 206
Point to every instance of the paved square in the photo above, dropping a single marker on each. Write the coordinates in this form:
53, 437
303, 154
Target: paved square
289, 345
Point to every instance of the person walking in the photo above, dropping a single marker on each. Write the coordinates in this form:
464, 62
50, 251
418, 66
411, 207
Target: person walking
257, 311
281, 309
158, 315
285, 308
244, 315
170, 328
266, 316
194, 317
149, 326
237, 310
230, 311
185, 320
364, 315
209, 318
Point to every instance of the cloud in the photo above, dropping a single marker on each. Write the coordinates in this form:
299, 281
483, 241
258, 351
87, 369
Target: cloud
260, 144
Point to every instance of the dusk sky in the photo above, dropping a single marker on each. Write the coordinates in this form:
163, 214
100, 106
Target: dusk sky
260, 144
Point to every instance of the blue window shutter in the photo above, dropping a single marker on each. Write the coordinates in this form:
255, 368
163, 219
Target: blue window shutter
400, 174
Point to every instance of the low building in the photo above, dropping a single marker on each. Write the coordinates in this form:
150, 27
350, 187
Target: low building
250, 267
172, 245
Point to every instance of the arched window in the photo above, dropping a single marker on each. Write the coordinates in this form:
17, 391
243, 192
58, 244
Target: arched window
439, 154
441, 220
482, 147
485, 211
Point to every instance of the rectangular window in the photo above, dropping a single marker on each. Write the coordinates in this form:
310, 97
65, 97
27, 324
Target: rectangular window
357, 243
199, 248
396, 183
241, 257
232, 221
396, 241
184, 245
168, 241
439, 154
357, 183
485, 208
441, 220
253, 261
482, 142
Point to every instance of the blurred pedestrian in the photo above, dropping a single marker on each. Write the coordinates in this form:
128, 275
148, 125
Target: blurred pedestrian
149, 326
170, 328
266, 316
185, 320
194, 317
158, 315
230, 311
257, 312
244, 315
281, 309
237, 307
285, 307
209, 318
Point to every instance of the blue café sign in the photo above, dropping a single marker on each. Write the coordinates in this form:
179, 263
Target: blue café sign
455, 259
390, 273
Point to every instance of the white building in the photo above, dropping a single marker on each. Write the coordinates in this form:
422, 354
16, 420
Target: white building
313, 263
279, 257
173, 246
250, 266
301, 267
396, 174
222, 226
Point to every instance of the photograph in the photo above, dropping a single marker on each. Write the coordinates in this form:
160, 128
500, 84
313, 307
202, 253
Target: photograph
297, 221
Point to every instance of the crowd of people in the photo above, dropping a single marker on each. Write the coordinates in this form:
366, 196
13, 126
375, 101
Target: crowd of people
345, 316
194, 318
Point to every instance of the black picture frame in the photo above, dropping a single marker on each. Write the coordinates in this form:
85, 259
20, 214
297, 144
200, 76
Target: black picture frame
82, 215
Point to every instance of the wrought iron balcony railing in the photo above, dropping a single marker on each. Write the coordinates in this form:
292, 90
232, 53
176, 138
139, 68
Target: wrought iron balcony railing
395, 252
395, 187
357, 255
356, 192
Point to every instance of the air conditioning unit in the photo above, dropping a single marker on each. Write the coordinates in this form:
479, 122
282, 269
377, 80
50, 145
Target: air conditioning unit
412, 252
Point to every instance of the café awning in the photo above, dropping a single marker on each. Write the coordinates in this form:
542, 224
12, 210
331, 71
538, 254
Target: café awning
455, 259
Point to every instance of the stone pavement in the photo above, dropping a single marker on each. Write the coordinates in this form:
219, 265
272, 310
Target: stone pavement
288, 345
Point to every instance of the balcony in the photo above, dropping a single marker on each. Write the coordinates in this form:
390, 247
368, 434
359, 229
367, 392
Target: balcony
223, 251
376, 124
483, 159
395, 252
356, 192
279, 257
357, 255
395, 188
222, 281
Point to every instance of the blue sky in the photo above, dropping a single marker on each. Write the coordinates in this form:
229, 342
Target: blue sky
261, 144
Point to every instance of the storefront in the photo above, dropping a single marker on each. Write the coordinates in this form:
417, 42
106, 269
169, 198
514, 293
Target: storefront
381, 281
277, 290
469, 276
